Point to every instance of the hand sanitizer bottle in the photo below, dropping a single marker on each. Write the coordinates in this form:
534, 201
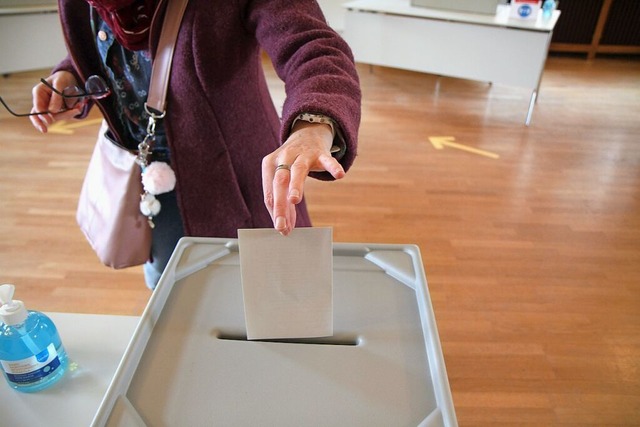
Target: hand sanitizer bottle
547, 9
31, 353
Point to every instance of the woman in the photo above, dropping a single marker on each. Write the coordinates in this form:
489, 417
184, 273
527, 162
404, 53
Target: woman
237, 165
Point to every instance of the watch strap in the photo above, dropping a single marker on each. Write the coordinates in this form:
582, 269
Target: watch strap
317, 118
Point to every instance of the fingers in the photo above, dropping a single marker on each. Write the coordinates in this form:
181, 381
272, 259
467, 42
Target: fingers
280, 203
42, 121
268, 173
44, 99
41, 100
275, 185
297, 177
331, 165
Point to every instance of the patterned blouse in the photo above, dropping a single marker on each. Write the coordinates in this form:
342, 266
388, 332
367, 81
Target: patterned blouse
129, 74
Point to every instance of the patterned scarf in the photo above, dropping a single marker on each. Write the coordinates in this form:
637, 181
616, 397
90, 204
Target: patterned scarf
128, 19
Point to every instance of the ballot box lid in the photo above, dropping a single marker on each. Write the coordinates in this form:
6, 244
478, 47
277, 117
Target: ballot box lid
189, 362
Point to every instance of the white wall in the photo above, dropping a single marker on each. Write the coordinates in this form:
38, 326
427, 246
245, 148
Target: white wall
30, 41
334, 12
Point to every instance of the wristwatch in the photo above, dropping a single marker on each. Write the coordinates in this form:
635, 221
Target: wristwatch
339, 146
317, 118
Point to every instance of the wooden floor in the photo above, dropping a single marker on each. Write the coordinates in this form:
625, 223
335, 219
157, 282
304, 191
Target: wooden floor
530, 236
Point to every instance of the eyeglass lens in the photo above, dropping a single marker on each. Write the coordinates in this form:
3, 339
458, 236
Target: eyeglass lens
95, 87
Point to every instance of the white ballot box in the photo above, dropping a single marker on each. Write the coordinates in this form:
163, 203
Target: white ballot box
190, 363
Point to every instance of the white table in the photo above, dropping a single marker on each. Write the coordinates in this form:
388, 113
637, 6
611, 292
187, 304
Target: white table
492, 48
95, 343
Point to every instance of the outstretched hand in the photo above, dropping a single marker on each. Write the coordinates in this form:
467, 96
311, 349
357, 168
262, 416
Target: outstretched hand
284, 171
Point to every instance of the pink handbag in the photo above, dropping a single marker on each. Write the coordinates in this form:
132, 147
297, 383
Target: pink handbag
109, 204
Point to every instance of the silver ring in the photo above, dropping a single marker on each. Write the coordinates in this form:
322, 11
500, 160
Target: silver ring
283, 166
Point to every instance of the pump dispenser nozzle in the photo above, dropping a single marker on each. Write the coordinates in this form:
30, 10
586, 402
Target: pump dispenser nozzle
12, 312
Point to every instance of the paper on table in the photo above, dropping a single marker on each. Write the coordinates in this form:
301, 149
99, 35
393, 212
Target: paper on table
287, 282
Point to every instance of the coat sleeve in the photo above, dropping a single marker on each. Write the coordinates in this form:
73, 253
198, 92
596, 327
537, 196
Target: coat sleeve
314, 62
74, 19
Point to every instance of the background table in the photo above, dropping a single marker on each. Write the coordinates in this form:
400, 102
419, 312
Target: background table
492, 48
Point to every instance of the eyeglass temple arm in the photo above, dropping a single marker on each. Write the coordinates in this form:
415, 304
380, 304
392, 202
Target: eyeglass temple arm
37, 113
56, 91
13, 113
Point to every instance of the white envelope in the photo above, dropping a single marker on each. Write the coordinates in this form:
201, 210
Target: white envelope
287, 282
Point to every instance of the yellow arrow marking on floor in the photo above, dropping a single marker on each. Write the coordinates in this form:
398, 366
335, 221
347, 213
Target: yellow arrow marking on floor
439, 142
65, 128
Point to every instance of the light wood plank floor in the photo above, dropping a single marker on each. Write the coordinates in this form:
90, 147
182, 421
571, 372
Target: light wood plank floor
531, 243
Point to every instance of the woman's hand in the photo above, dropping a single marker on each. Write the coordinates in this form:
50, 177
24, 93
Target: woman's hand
285, 170
44, 99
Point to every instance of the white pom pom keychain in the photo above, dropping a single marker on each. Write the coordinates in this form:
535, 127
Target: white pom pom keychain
157, 177
149, 205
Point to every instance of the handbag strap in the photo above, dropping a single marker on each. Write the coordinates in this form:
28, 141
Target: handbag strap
160, 71
161, 68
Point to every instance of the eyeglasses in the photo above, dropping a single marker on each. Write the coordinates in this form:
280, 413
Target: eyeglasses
94, 88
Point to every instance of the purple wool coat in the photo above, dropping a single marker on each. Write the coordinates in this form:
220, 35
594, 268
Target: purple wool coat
221, 120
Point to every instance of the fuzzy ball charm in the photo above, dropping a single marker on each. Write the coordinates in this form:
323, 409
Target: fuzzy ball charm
158, 178
149, 205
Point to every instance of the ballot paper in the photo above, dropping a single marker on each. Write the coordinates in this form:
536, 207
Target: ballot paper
287, 282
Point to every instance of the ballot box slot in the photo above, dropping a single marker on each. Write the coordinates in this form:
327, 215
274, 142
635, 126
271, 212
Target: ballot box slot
339, 340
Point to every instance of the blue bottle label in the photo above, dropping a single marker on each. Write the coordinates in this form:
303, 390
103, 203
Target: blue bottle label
32, 369
525, 10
